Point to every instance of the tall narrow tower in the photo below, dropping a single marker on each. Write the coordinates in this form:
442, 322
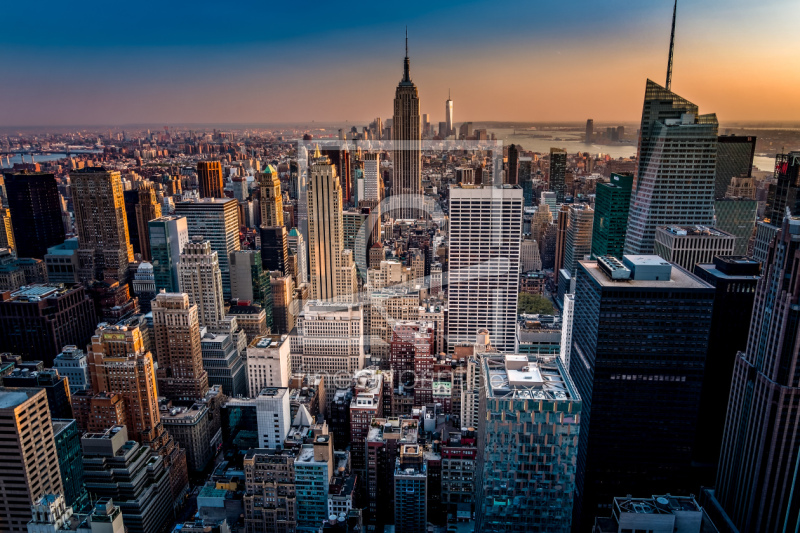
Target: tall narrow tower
406, 153
104, 250
271, 199
448, 114
325, 228
147, 209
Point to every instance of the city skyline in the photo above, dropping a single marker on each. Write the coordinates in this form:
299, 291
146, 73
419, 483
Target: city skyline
154, 71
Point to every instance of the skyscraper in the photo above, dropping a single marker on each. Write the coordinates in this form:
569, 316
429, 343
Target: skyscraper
734, 160
372, 173
448, 113
176, 328
274, 248
325, 229
558, 173
759, 459
640, 400
217, 220
35, 212
147, 209
271, 200
30, 463
249, 281
407, 145
611, 207
675, 142
209, 177
784, 195
589, 131
168, 236
578, 245
104, 249
520, 392
512, 176
330, 338
485, 235
298, 246
735, 280
199, 277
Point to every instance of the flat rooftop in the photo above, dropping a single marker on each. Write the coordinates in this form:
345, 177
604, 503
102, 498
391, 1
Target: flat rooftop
679, 278
268, 341
527, 377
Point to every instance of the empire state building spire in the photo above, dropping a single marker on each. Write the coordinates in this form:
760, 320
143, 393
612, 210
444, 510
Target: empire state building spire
406, 64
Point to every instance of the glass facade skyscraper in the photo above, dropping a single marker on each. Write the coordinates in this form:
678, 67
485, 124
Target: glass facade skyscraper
639, 341
611, 207
734, 159
530, 416
674, 184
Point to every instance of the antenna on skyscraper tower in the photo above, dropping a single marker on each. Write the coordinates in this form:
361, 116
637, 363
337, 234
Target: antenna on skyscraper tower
671, 48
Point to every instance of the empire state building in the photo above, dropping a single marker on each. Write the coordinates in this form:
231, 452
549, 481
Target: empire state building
407, 141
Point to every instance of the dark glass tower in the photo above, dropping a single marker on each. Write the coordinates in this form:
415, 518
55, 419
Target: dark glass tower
758, 468
782, 195
611, 207
558, 173
512, 177
274, 249
735, 279
35, 212
637, 359
734, 159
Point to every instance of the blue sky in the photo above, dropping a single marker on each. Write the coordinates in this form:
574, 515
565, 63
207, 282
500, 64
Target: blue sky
114, 63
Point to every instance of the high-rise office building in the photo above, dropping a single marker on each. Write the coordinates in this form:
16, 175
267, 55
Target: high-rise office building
222, 355
558, 173
640, 401
734, 159
268, 363
67, 439
784, 194
578, 237
168, 236
209, 177
199, 277
734, 279
325, 228
329, 338
448, 114
313, 469
35, 212
406, 150
269, 501
147, 209
176, 327
271, 200
562, 225
411, 490
54, 386
30, 462
737, 216
689, 246
672, 134
759, 457
611, 207
39, 320
520, 392
512, 175
485, 235
589, 131
104, 251
372, 177
217, 220
298, 246
249, 280
274, 248
126, 471
284, 309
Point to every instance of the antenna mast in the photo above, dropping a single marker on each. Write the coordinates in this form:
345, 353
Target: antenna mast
671, 48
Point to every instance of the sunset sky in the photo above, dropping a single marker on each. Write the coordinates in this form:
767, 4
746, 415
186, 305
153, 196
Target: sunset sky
257, 62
